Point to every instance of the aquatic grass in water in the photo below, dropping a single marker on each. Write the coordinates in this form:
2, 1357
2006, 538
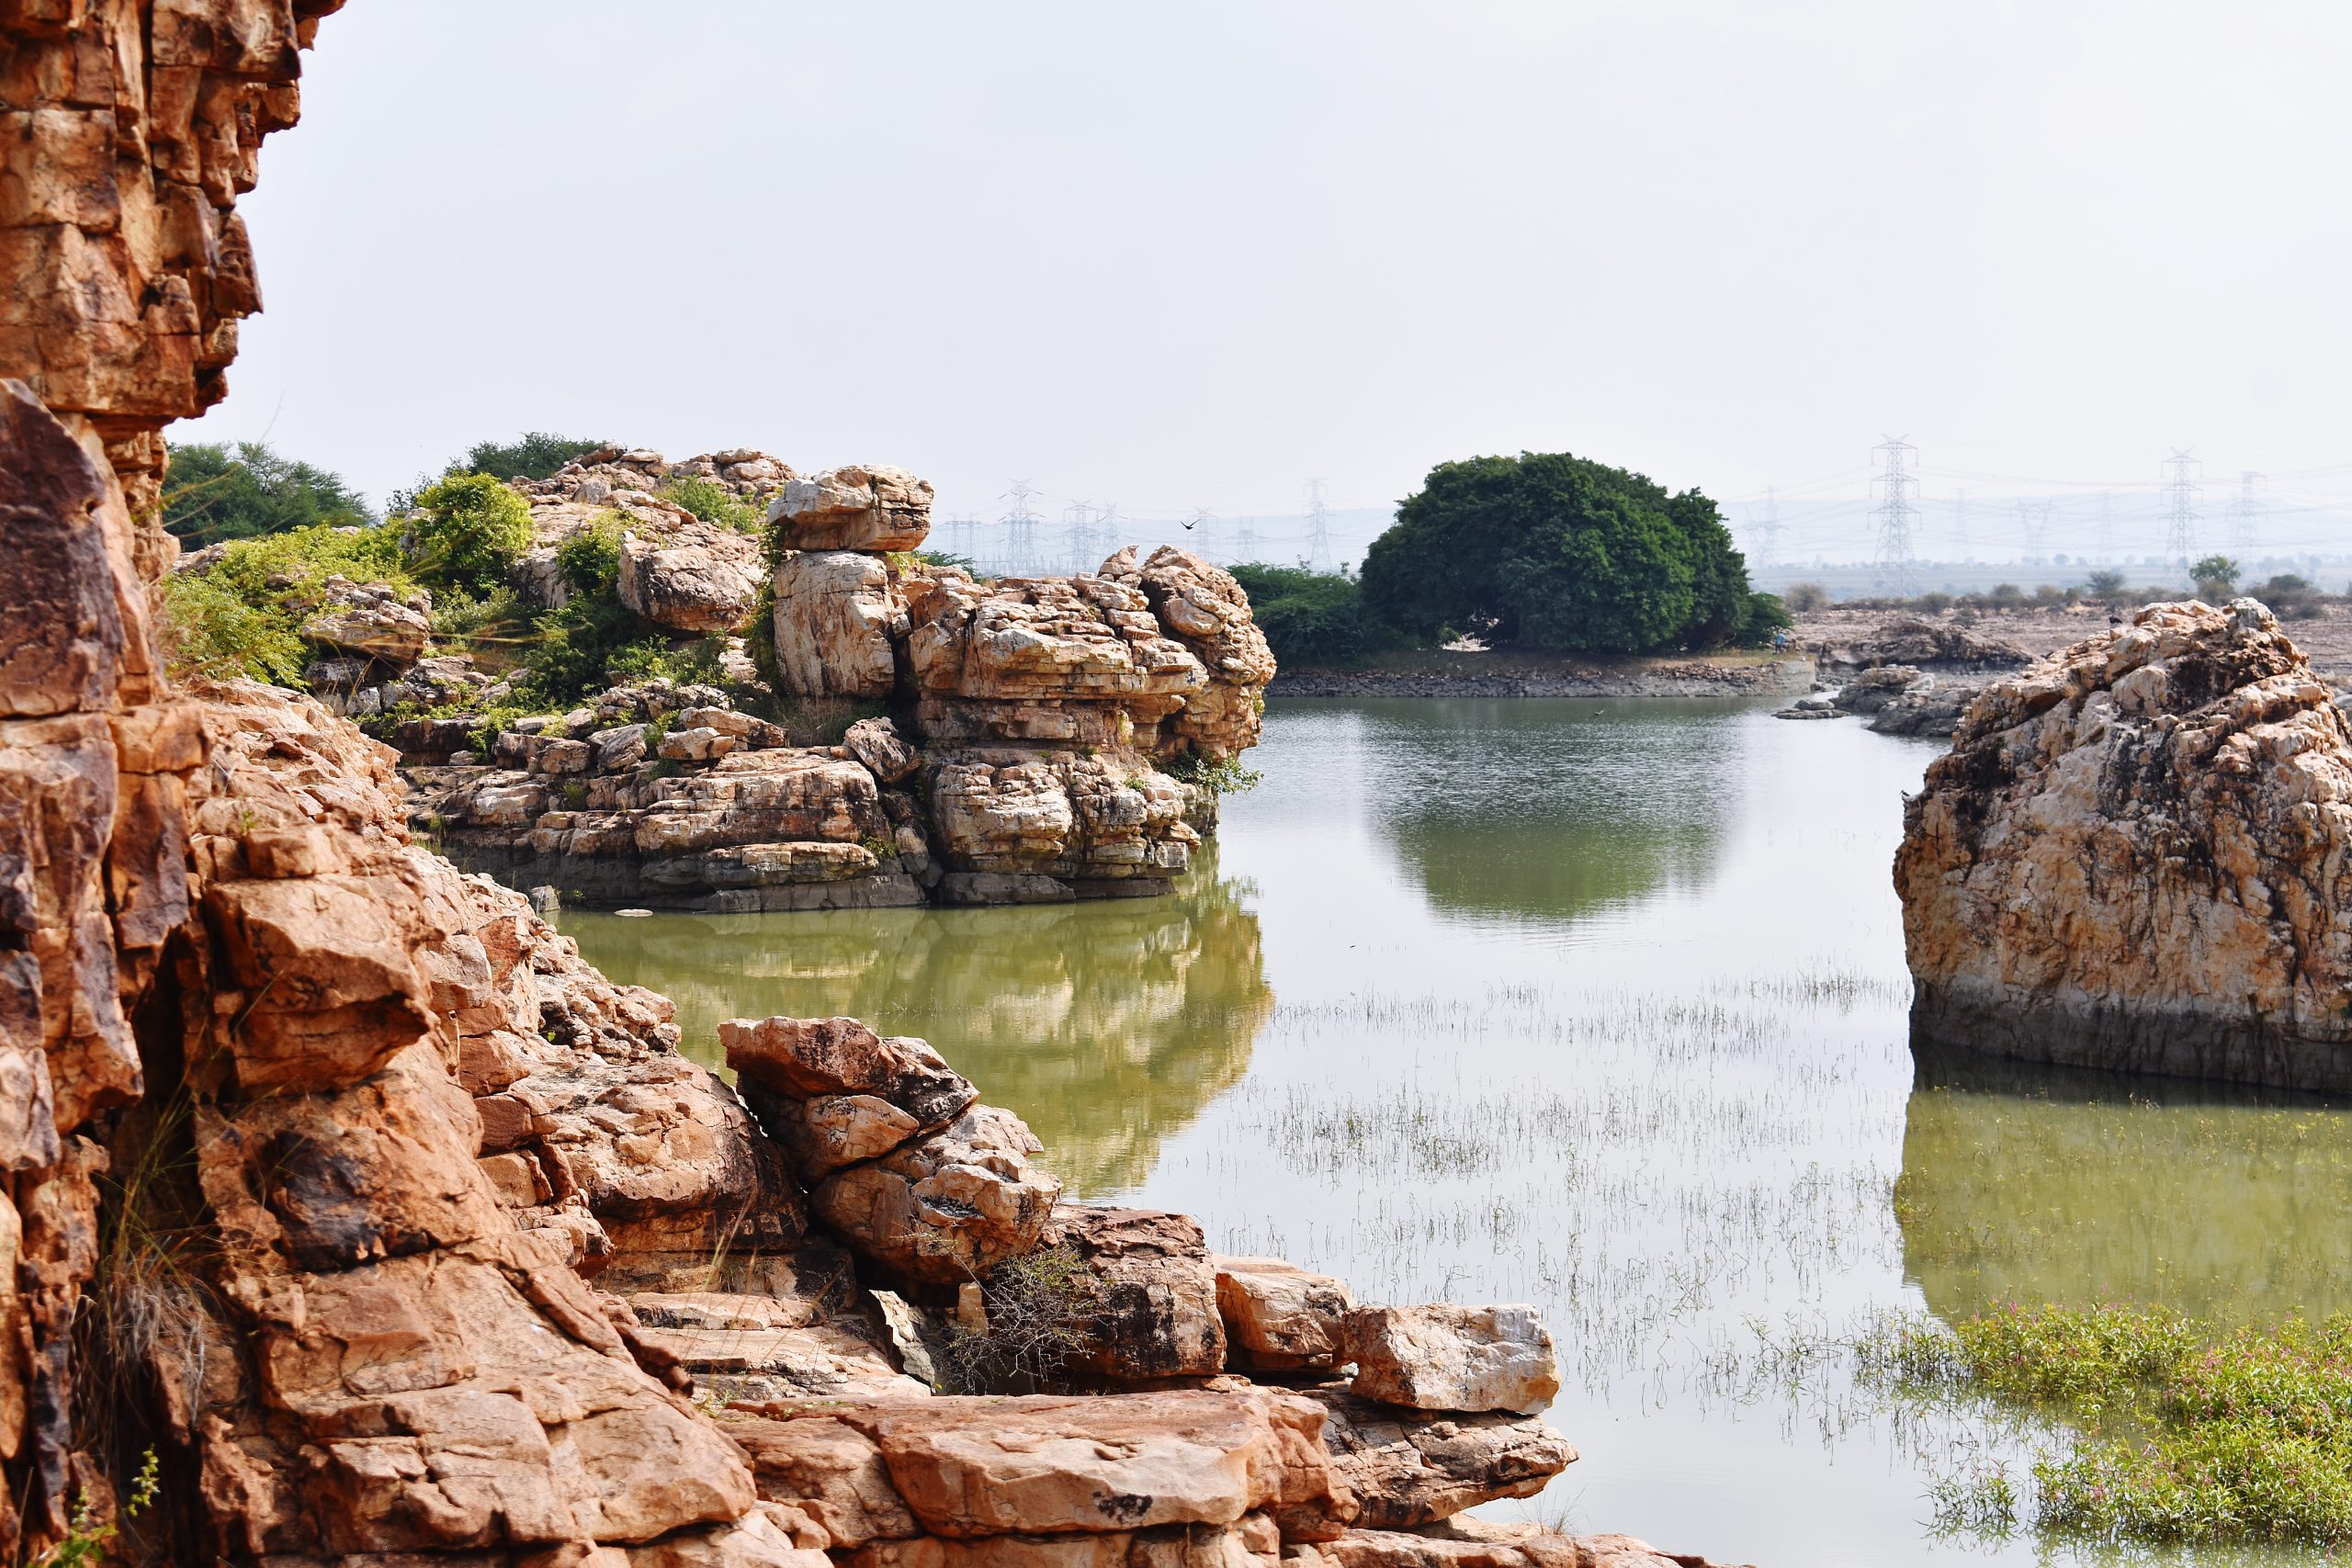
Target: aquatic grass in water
2179, 1429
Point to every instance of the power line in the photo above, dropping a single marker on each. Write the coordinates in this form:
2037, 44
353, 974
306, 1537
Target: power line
1769, 528
2246, 515
1020, 531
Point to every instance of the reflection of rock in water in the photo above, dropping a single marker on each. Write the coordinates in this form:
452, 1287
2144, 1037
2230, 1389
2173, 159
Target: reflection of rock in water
2038, 1185
1545, 810
1107, 1026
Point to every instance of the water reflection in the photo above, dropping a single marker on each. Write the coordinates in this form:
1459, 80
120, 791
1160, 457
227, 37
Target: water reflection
1533, 810
1107, 1025
2033, 1184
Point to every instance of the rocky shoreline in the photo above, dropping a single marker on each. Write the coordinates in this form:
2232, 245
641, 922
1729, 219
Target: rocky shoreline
350, 1218
1686, 678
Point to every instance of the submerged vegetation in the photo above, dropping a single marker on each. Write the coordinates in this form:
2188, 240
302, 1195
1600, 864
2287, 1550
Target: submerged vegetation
2179, 1429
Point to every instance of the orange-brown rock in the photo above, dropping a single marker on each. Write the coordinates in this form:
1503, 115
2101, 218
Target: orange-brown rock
1410, 1470
1280, 1318
1151, 1309
855, 508
1442, 1357
2133, 857
948, 1206
1203, 608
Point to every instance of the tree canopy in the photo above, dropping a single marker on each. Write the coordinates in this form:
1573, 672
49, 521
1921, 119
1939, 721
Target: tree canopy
533, 455
214, 491
1549, 550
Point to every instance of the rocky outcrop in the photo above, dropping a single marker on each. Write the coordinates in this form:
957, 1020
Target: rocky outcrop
1942, 647
398, 1234
2132, 858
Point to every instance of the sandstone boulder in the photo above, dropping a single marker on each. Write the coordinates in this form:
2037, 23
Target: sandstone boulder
838, 618
1051, 637
372, 619
1203, 608
834, 1093
1152, 1311
2133, 858
831, 1472
1107, 1464
854, 507
1452, 1358
1410, 1470
1280, 1318
948, 1206
876, 743
692, 577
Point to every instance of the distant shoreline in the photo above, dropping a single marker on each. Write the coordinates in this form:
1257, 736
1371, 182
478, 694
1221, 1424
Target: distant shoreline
1507, 675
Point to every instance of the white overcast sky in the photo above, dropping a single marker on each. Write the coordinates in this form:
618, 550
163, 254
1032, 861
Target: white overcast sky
1188, 255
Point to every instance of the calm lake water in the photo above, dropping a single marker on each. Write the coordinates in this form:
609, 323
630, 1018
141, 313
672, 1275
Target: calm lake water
1598, 1006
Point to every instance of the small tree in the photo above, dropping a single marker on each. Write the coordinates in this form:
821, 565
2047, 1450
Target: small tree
535, 454
2216, 578
469, 531
1806, 597
2104, 584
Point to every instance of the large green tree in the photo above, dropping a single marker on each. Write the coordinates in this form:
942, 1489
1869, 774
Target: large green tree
1548, 550
214, 493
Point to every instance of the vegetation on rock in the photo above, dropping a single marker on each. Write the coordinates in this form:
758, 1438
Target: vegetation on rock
535, 454
242, 616
468, 532
214, 493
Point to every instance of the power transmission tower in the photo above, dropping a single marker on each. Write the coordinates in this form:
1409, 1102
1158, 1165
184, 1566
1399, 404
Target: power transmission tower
1894, 512
1020, 531
2245, 517
1768, 528
1318, 528
1245, 541
1960, 526
2180, 508
2033, 520
1077, 534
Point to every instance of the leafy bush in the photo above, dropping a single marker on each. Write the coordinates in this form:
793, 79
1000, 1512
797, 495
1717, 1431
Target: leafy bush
1934, 602
2005, 596
209, 632
714, 502
1760, 620
1805, 598
590, 560
1549, 550
213, 493
536, 455
2106, 584
468, 532
1310, 617
2294, 597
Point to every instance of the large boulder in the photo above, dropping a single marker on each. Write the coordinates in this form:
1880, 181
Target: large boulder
1151, 1308
837, 617
947, 1207
1409, 1470
1443, 1357
691, 577
1049, 638
373, 619
854, 507
1202, 606
834, 1093
2134, 857
1280, 1318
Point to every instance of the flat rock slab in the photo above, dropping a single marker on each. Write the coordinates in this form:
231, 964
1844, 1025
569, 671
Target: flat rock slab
1453, 1358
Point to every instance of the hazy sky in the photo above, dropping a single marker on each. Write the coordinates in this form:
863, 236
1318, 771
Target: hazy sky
1189, 254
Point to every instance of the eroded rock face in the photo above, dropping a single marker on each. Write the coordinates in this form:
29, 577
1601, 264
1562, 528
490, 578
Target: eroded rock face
371, 619
1407, 1472
944, 1208
1151, 1311
838, 619
2132, 858
1926, 645
691, 576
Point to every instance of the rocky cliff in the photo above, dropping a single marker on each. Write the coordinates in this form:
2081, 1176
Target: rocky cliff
350, 1218
2133, 857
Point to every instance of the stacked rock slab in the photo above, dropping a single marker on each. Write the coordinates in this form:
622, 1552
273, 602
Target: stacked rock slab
2133, 858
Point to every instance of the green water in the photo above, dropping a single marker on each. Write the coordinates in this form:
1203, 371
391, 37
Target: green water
1602, 1007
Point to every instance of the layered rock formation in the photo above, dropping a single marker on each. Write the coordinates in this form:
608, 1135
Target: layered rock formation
336, 1183
2132, 858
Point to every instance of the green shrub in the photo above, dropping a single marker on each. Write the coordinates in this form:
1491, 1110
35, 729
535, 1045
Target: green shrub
1762, 619
1311, 618
468, 532
213, 493
714, 502
209, 632
536, 455
590, 560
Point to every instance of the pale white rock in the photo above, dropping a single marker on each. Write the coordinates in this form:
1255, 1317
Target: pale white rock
1442, 1357
838, 616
